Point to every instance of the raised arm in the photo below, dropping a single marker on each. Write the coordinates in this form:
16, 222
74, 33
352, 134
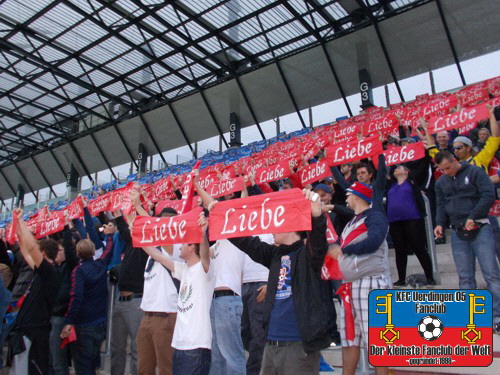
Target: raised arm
339, 177
202, 193
159, 257
69, 247
27, 243
204, 245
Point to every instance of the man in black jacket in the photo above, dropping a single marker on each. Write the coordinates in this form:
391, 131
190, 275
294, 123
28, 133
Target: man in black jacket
464, 197
295, 318
127, 314
66, 261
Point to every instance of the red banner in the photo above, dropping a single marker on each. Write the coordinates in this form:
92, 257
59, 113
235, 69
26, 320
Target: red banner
353, 151
386, 125
55, 223
458, 119
188, 191
331, 269
465, 130
207, 179
331, 235
278, 212
348, 130
314, 172
162, 189
495, 209
176, 204
75, 209
227, 186
10, 232
99, 204
404, 154
440, 107
278, 171
472, 95
157, 231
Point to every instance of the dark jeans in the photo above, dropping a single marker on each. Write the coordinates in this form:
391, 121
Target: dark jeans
86, 350
192, 362
252, 326
410, 235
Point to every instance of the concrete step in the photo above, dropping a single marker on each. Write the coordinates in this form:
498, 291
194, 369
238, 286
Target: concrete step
446, 267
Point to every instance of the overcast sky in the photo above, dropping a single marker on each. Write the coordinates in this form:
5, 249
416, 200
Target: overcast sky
447, 78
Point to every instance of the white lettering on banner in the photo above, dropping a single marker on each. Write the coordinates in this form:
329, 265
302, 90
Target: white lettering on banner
343, 153
265, 217
266, 175
206, 182
172, 229
400, 155
99, 205
437, 106
386, 123
454, 120
311, 174
344, 131
467, 128
49, 225
161, 186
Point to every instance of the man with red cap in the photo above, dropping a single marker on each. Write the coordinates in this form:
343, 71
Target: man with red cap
362, 256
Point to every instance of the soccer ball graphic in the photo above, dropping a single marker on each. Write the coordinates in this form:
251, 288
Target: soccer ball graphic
430, 327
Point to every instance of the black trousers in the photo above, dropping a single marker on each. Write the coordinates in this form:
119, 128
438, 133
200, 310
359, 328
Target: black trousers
410, 236
253, 333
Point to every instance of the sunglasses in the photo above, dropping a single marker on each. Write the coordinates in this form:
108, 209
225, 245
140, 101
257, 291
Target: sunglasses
458, 147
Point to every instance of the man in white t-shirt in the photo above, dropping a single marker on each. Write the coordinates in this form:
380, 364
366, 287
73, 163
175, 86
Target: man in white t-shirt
254, 289
192, 337
228, 355
159, 303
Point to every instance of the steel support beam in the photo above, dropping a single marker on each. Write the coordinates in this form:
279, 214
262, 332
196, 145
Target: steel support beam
374, 22
282, 75
21, 173
181, 128
8, 182
43, 176
450, 41
214, 119
322, 42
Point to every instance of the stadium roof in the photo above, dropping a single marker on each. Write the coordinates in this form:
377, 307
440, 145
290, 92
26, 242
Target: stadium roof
84, 81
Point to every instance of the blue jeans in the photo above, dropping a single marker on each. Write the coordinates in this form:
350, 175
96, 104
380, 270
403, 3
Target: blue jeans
5, 296
192, 362
483, 248
59, 356
228, 355
86, 350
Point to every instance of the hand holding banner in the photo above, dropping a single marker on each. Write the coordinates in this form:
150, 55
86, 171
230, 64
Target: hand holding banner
157, 231
10, 233
278, 212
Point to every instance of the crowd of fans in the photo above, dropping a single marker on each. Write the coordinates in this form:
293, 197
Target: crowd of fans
195, 308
